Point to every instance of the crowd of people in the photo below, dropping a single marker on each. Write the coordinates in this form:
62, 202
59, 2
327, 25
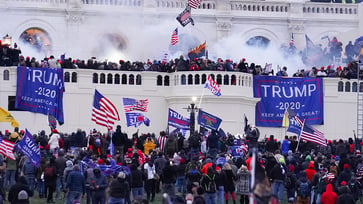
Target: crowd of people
199, 169
312, 56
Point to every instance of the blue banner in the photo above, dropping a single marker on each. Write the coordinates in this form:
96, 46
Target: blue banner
294, 126
40, 90
29, 147
208, 120
136, 119
303, 95
177, 120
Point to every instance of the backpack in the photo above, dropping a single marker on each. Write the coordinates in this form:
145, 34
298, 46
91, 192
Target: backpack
211, 187
288, 182
304, 189
49, 172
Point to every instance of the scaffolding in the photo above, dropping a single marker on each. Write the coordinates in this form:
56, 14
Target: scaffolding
360, 102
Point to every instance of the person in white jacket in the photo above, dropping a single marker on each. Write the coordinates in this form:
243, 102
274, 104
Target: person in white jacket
54, 141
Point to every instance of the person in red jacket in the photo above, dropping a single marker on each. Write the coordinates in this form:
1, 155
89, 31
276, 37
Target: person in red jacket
310, 171
329, 196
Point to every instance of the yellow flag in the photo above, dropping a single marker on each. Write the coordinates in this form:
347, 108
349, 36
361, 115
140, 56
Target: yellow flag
5, 116
285, 119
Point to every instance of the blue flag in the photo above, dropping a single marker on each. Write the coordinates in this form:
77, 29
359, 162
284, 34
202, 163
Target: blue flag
208, 120
40, 90
303, 95
177, 120
136, 119
29, 148
294, 126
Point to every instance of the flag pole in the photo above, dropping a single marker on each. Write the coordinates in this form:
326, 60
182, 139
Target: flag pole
201, 97
298, 142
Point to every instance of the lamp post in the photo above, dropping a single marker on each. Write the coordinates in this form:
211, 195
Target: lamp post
192, 108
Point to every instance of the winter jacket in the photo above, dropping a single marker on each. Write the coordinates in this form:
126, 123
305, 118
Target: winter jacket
345, 197
76, 182
310, 171
119, 188
20, 185
137, 178
329, 197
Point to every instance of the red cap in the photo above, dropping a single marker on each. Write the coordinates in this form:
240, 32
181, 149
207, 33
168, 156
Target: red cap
217, 168
182, 161
47, 146
6, 131
291, 167
343, 183
346, 166
329, 141
119, 163
243, 59
129, 150
100, 161
108, 156
54, 131
322, 68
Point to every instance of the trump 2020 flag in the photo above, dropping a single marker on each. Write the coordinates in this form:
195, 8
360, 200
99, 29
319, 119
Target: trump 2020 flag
40, 90
175, 119
208, 120
136, 119
184, 17
213, 86
29, 148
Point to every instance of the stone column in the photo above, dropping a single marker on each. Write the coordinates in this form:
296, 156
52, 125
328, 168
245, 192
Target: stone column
296, 23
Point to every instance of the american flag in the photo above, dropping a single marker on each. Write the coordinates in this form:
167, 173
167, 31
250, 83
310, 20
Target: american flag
104, 112
194, 3
6, 148
131, 104
174, 37
185, 16
162, 141
311, 134
244, 148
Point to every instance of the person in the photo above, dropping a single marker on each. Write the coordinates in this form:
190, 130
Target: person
15, 136
60, 164
171, 145
40, 177
180, 172
10, 171
23, 197
291, 184
118, 189
303, 189
329, 196
209, 185
199, 198
243, 184
345, 196
220, 179
54, 141
137, 182
271, 145
119, 139
168, 178
75, 185
229, 182
98, 187
20, 185
149, 169
285, 145
29, 171
278, 175
212, 144
50, 177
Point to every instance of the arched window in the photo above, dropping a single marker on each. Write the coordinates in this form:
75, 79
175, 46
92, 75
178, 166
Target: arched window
95, 78
159, 81
66, 77
226, 80
354, 87
166, 81
74, 77
197, 79
183, 79
347, 86
38, 39
340, 86
102, 78
219, 79
190, 79
204, 78
117, 79
6, 75
109, 78
131, 79
138, 79
233, 80
124, 79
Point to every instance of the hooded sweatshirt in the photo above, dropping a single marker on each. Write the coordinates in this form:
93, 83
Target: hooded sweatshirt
329, 197
310, 171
